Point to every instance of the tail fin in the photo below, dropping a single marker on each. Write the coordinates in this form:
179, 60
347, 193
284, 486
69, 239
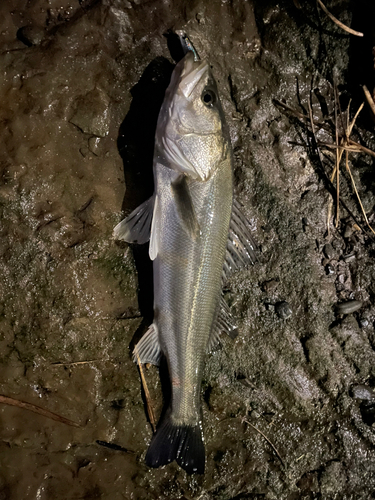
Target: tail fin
181, 443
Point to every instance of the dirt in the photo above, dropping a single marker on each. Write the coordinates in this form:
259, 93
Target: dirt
81, 89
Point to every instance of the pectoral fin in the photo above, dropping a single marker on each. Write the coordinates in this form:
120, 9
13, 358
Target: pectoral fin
184, 206
241, 246
155, 231
137, 226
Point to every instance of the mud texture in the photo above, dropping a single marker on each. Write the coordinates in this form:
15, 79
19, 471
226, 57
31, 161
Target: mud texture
81, 86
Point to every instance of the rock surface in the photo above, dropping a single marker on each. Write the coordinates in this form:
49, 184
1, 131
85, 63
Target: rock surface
81, 88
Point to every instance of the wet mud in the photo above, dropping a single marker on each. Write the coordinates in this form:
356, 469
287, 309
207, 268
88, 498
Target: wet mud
82, 82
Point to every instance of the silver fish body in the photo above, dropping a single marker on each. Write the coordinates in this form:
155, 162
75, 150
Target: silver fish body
191, 220
188, 268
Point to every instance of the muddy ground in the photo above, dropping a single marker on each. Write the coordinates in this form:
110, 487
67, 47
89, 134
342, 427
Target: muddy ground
81, 86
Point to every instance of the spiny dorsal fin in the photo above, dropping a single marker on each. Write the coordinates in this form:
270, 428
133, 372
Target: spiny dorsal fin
136, 227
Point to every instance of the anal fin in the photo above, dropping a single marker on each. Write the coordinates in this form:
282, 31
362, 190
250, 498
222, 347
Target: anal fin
148, 348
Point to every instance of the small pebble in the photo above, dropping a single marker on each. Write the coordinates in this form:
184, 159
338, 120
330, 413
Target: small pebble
349, 307
336, 244
270, 286
363, 322
348, 231
329, 269
350, 257
31, 35
283, 310
305, 223
328, 251
95, 145
363, 392
368, 413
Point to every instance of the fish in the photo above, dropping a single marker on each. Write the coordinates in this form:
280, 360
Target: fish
197, 237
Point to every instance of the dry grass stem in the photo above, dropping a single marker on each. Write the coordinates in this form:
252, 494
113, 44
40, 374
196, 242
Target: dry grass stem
342, 143
351, 149
313, 132
346, 144
337, 165
266, 438
356, 192
73, 363
339, 23
369, 99
351, 125
301, 116
362, 148
37, 409
150, 409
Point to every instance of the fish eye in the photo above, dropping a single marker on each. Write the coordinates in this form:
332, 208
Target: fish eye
208, 97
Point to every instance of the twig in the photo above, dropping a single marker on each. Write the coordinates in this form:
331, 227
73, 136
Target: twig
297, 114
61, 363
113, 446
345, 144
356, 192
336, 21
369, 98
350, 127
320, 159
353, 149
363, 148
37, 409
338, 159
329, 181
266, 438
150, 409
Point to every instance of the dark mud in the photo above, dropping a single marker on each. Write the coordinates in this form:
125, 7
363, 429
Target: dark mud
78, 108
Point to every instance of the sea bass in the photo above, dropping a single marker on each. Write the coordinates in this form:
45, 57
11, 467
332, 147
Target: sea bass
197, 237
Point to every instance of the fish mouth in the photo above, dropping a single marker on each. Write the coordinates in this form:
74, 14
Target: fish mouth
192, 74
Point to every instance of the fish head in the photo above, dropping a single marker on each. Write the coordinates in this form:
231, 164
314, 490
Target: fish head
191, 132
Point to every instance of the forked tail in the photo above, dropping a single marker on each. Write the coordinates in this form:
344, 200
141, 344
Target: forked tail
181, 443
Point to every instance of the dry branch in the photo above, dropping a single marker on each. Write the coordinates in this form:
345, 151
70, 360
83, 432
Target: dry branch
150, 409
369, 99
266, 438
336, 21
37, 409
